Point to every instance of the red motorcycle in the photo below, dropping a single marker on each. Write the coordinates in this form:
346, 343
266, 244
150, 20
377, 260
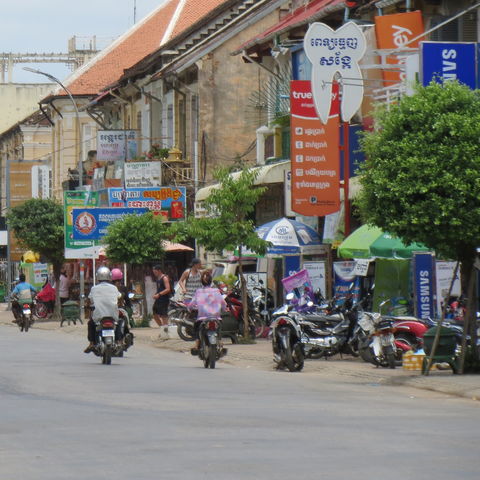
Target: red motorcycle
409, 333
232, 324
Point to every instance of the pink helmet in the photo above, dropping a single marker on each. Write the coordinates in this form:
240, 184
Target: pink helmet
116, 274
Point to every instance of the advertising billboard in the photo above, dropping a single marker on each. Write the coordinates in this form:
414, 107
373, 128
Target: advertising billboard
117, 145
441, 62
315, 154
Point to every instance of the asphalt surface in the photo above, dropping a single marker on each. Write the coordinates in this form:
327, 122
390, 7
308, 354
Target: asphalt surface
259, 356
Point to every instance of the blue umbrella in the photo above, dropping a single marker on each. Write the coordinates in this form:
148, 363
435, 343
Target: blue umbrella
289, 237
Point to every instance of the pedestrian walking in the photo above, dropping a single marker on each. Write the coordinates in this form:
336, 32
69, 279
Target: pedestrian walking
162, 299
190, 281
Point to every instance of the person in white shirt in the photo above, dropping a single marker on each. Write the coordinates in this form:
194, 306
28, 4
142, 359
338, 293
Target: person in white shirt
104, 298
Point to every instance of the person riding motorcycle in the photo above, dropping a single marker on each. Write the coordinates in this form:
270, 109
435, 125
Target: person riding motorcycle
209, 302
104, 298
21, 294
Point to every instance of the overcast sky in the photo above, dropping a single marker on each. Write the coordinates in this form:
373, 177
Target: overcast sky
36, 26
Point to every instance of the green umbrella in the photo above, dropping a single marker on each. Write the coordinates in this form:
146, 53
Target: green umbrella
368, 242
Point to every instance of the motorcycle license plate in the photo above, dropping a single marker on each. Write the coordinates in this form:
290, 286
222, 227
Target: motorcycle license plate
108, 333
27, 311
386, 340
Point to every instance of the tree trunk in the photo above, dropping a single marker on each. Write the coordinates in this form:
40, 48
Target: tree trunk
243, 286
57, 311
470, 318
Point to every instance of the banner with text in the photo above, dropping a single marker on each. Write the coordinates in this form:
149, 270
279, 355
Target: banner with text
92, 223
315, 154
423, 280
169, 202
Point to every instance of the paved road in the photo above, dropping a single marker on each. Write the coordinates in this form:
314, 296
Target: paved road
160, 414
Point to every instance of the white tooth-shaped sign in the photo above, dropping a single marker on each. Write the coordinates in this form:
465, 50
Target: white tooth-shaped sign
335, 51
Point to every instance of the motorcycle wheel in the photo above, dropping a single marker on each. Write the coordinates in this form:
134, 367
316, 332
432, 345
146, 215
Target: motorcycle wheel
366, 355
205, 354
26, 324
390, 356
299, 357
212, 355
185, 333
107, 355
289, 358
40, 310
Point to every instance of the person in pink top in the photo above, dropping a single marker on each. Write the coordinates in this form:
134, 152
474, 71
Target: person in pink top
209, 303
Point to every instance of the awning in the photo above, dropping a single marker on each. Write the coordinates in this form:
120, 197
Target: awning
273, 173
301, 16
176, 247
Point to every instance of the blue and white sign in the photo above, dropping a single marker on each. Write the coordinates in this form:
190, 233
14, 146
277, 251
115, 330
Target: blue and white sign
441, 62
92, 223
424, 284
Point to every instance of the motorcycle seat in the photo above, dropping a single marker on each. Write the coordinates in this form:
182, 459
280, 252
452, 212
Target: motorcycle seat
323, 319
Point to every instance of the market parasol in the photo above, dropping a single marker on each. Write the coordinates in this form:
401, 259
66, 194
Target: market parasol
368, 242
289, 237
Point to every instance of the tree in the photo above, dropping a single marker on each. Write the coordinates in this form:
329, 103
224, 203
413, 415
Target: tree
38, 226
227, 224
421, 179
137, 240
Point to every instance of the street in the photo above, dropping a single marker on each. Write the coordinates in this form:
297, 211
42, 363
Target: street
160, 414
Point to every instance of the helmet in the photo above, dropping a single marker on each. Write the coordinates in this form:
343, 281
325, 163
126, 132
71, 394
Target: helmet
104, 274
116, 274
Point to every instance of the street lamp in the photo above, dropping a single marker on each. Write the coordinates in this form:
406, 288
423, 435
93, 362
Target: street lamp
80, 172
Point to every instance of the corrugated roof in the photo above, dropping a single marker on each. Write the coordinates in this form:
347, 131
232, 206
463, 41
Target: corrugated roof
168, 20
301, 16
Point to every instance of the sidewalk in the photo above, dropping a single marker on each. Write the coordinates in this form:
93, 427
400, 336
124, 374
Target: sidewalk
259, 356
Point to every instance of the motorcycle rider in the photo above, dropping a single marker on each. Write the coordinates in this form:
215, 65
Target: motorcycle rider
104, 298
209, 302
22, 293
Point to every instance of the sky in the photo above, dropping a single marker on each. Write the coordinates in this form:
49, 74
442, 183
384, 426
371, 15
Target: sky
36, 26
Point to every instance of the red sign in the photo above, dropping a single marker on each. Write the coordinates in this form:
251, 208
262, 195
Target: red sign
315, 153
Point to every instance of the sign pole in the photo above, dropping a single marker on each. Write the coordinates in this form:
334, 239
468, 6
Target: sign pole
346, 175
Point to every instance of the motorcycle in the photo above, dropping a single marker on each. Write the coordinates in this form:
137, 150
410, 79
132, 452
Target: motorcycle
23, 318
111, 338
376, 340
232, 320
288, 350
263, 303
179, 314
211, 348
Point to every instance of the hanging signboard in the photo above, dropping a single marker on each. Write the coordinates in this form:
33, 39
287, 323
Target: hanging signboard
315, 154
441, 61
143, 174
423, 285
333, 54
117, 145
394, 31
77, 248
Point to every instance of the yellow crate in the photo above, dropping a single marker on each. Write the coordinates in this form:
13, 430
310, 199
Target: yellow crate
413, 361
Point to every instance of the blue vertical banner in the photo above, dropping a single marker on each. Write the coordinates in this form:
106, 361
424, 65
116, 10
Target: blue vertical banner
442, 61
292, 265
424, 282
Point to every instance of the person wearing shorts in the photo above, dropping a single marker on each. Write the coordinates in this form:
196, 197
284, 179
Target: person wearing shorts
162, 299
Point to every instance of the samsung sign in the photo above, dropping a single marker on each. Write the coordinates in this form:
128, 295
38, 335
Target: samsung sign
441, 62
423, 284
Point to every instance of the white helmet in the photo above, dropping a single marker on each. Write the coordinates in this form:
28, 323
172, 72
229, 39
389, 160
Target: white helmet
104, 274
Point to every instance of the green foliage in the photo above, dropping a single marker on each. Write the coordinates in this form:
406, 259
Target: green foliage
421, 179
38, 226
227, 224
136, 239
228, 280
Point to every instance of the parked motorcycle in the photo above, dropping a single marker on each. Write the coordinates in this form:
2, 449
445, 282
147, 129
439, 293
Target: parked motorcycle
179, 314
211, 348
376, 340
288, 350
263, 303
